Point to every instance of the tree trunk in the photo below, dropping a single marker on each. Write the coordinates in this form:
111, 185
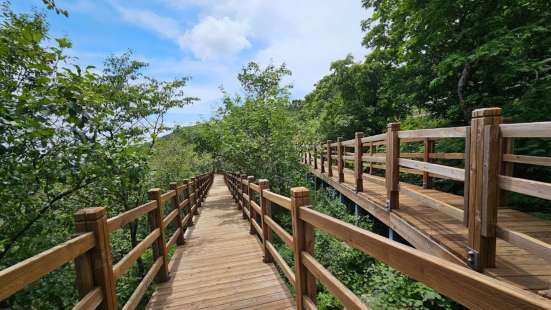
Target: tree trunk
468, 70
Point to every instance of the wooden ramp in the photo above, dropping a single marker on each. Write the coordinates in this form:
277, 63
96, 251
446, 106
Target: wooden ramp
220, 266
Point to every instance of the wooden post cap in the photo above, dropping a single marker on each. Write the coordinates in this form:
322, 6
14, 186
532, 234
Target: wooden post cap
89, 214
487, 112
329, 141
263, 182
173, 185
359, 135
298, 192
394, 126
153, 193
250, 179
186, 181
339, 139
243, 176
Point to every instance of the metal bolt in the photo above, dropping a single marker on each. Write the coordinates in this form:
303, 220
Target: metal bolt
471, 253
470, 260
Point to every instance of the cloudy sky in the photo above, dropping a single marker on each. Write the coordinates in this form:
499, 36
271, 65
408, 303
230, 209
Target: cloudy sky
211, 40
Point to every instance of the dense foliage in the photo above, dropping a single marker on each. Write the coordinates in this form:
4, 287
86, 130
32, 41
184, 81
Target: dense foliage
71, 139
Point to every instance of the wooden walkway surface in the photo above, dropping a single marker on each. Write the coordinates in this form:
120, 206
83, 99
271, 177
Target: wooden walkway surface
220, 266
437, 233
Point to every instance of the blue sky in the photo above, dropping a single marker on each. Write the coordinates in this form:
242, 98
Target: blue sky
211, 40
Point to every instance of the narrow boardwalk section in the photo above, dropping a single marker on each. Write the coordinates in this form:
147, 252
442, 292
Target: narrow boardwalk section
220, 266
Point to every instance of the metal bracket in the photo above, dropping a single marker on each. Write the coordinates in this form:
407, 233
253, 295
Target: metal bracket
388, 205
424, 185
472, 259
356, 189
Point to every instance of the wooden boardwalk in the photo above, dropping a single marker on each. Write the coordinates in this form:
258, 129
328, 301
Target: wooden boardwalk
220, 266
437, 233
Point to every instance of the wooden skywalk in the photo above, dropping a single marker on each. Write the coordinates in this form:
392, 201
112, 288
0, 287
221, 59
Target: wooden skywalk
220, 266
437, 233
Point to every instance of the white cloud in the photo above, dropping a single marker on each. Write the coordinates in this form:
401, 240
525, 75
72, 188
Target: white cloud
308, 35
167, 27
214, 38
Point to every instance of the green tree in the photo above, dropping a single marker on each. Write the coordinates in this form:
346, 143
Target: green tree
455, 56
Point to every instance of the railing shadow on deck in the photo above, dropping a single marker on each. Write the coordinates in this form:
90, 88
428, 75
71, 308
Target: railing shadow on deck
90, 249
468, 287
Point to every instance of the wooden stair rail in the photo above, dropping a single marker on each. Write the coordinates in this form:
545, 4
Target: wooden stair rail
90, 249
466, 286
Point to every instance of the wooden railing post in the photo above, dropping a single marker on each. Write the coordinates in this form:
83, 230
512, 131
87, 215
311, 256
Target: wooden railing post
392, 167
240, 186
322, 159
428, 148
315, 158
371, 152
485, 164
303, 240
188, 207
178, 219
340, 161
198, 191
506, 167
329, 159
99, 267
252, 211
156, 221
250, 192
358, 164
265, 210
194, 191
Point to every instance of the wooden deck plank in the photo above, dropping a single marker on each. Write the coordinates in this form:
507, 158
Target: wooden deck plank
220, 266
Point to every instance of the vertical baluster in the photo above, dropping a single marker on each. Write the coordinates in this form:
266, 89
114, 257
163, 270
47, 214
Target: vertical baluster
265, 211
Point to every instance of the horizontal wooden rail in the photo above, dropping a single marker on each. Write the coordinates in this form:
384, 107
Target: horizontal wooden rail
452, 173
257, 227
374, 159
527, 187
278, 199
526, 130
255, 206
20, 275
285, 236
121, 220
172, 239
466, 286
333, 285
170, 217
120, 268
134, 300
453, 132
525, 242
91, 300
281, 262
374, 138
167, 196
531, 160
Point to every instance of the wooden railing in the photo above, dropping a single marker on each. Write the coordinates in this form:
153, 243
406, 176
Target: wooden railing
487, 173
464, 285
91, 251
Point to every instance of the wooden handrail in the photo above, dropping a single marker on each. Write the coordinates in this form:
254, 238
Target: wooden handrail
91, 247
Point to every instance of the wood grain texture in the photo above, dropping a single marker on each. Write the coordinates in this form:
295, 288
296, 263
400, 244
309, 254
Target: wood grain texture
209, 271
22, 274
461, 284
